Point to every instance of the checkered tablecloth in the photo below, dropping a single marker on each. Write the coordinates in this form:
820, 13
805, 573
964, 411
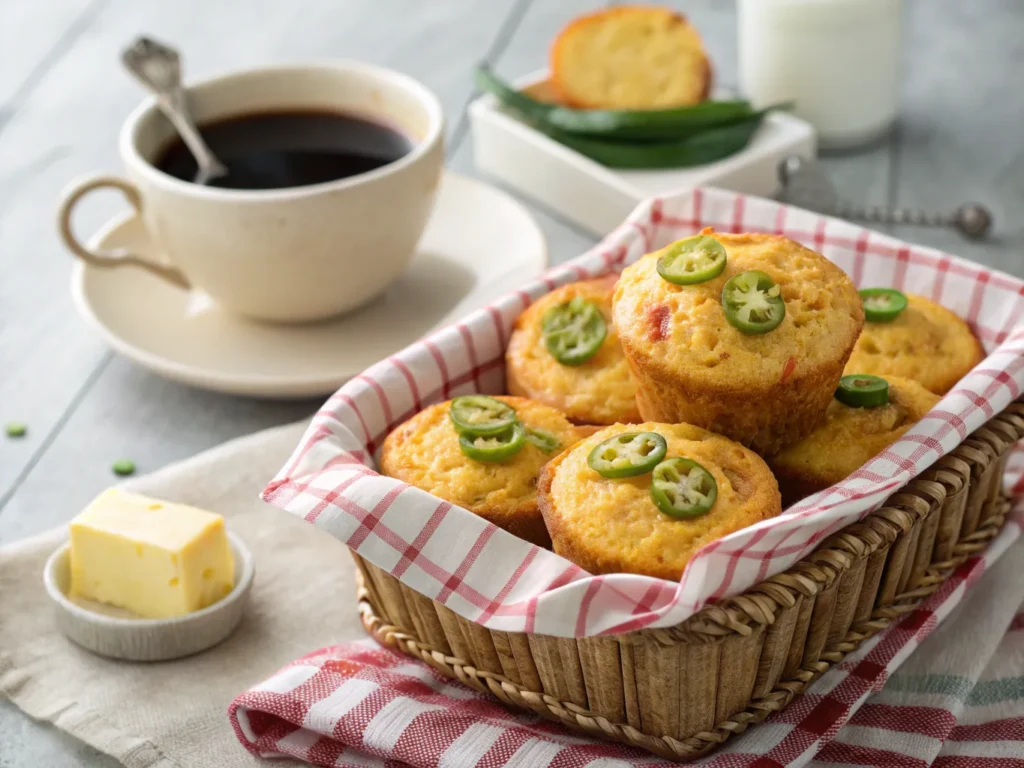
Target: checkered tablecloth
957, 703
502, 582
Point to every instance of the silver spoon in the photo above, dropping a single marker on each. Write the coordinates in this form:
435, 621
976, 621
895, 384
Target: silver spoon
804, 184
158, 67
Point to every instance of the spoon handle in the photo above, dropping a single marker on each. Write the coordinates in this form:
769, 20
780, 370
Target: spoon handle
972, 220
174, 106
158, 67
883, 215
804, 183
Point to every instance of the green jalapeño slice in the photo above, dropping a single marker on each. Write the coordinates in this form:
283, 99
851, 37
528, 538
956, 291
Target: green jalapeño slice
753, 303
542, 439
882, 305
574, 331
862, 390
628, 454
479, 415
693, 260
492, 448
683, 488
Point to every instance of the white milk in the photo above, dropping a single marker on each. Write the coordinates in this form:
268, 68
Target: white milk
837, 59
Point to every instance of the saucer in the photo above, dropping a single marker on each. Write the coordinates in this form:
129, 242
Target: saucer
480, 243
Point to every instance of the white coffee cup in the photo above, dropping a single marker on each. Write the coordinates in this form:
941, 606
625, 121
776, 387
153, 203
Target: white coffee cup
293, 254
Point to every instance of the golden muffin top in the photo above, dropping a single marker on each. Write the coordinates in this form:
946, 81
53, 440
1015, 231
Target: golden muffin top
683, 329
630, 58
596, 391
850, 436
607, 525
925, 342
424, 452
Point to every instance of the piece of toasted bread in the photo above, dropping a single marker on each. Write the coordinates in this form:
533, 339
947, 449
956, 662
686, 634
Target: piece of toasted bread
630, 57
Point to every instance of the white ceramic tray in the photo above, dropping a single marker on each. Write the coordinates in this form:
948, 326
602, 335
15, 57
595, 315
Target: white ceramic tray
599, 198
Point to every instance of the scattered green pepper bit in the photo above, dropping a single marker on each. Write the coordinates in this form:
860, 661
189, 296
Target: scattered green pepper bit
123, 467
542, 439
882, 305
862, 390
15, 429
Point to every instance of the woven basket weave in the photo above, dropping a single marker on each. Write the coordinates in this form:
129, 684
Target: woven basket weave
681, 691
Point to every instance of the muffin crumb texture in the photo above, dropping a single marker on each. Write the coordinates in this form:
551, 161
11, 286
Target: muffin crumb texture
848, 439
630, 58
926, 342
424, 452
600, 390
612, 525
691, 365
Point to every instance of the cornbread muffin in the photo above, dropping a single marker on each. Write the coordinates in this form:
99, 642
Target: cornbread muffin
598, 391
925, 342
848, 439
692, 365
424, 452
612, 525
630, 58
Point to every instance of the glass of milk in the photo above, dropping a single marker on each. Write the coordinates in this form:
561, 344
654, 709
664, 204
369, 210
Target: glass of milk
838, 60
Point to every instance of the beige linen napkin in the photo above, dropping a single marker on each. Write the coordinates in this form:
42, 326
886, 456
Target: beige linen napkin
174, 713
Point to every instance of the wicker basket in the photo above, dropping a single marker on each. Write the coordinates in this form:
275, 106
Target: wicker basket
681, 691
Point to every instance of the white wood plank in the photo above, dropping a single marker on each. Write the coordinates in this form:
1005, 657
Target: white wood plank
960, 137
68, 125
32, 36
136, 415
24, 742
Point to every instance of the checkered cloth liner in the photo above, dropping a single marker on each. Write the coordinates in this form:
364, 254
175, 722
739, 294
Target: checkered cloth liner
504, 583
958, 703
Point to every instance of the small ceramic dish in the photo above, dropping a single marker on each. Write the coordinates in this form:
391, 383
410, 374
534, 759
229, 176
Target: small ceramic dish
119, 634
599, 198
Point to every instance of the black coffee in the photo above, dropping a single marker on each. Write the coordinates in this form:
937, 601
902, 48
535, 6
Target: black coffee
272, 150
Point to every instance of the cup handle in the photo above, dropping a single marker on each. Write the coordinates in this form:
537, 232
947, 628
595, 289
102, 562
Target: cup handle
118, 256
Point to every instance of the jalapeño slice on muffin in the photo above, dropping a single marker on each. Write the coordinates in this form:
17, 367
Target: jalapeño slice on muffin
479, 415
862, 390
683, 488
882, 305
574, 331
753, 303
493, 448
628, 454
692, 261
542, 439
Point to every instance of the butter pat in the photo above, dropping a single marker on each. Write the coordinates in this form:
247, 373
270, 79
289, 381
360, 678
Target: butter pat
151, 557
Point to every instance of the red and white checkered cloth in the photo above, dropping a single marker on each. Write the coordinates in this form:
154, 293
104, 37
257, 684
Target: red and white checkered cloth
958, 703
502, 582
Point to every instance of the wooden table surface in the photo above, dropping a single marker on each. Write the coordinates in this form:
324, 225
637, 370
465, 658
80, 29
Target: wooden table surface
63, 97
